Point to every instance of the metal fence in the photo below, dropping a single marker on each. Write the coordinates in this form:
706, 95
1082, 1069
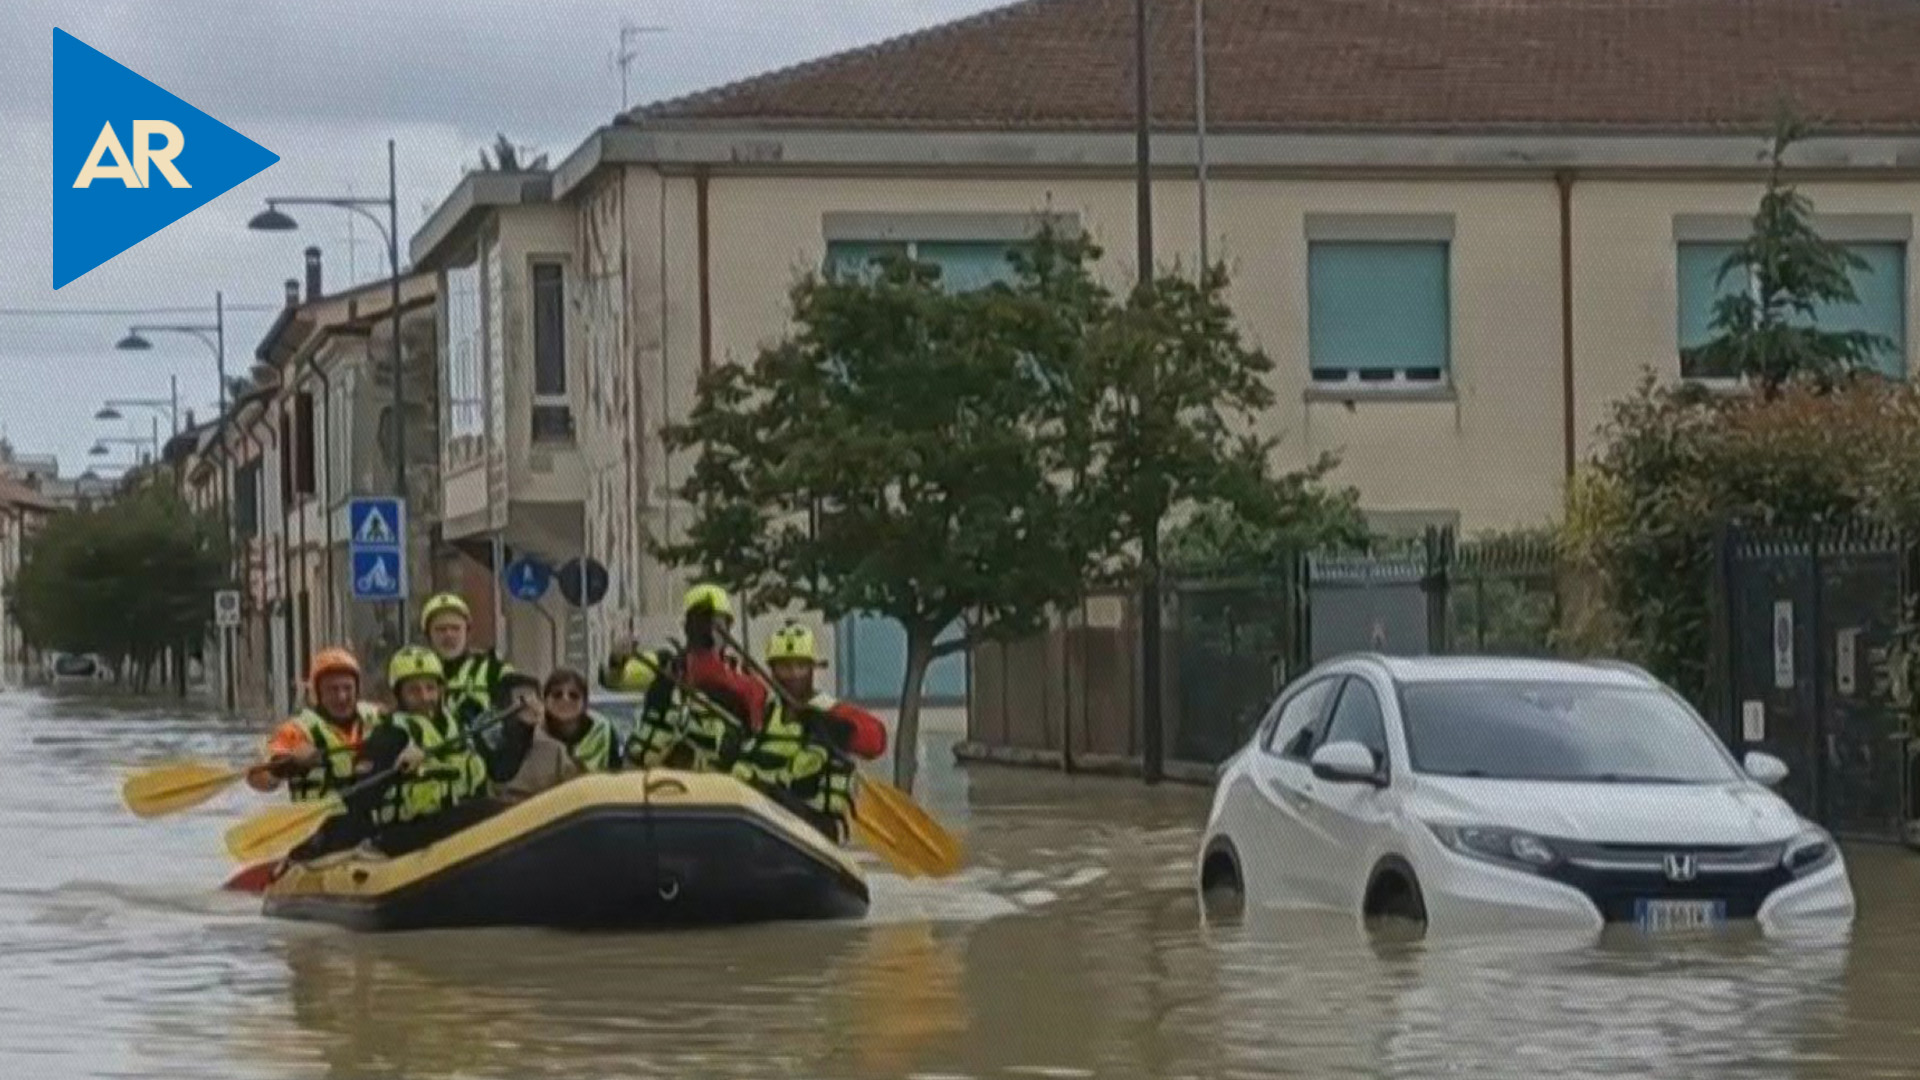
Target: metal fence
1813, 648
1071, 698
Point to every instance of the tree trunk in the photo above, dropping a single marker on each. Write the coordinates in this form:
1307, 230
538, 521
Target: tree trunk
906, 736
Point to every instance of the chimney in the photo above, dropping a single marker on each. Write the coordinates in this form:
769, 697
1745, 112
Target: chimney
293, 292
313, 274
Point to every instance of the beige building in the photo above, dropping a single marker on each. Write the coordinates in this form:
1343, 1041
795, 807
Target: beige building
1460, 230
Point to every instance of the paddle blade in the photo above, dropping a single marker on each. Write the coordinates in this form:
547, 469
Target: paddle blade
896, 812
177, 786
277, 831
253, 879
882, 843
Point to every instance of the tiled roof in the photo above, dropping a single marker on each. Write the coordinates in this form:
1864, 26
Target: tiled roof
1404, 65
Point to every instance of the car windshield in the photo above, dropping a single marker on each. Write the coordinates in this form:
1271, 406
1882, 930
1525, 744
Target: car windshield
1558, 731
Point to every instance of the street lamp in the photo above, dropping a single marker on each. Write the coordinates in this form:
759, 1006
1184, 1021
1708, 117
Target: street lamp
273, 219
100, 445
168, 406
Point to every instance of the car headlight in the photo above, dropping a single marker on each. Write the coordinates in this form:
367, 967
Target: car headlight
1508, 847
1813, 850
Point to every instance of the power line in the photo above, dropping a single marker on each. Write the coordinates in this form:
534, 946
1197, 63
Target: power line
103, 312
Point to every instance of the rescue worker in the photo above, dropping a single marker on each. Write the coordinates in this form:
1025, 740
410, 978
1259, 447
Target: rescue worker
316, 752
802, 752
570, 741
674, 729
475, 679
441, 788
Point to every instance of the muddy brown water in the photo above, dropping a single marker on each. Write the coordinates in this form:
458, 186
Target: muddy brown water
1073, 947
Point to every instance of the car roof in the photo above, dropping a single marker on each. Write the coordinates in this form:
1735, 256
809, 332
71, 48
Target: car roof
1437, 669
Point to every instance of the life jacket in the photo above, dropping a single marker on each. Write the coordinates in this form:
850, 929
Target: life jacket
472, 683
339, 749
785, 753
675, 732
444, 780
594, 751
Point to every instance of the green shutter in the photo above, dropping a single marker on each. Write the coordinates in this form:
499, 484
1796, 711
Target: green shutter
1378, 308
967, 266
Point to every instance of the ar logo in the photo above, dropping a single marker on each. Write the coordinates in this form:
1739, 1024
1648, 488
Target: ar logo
145, 155
129, 158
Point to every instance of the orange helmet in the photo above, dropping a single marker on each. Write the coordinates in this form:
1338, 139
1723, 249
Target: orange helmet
334, 661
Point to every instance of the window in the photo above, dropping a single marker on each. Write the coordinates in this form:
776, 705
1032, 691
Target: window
1357, 719
1881, 287
465, 357
1559, 731
246, 500
303, 463
964, 265
552, 416
1299, 718
1378, 311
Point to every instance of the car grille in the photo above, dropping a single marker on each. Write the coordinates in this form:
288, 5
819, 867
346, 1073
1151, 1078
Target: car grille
1614, 876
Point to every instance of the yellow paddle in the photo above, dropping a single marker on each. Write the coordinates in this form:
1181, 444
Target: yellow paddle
886, 838
273, 833
178, 785
899, 813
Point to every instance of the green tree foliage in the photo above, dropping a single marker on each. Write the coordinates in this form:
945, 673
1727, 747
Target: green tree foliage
128, 579
980, 457
1680, 463
1300, 514
1769, 332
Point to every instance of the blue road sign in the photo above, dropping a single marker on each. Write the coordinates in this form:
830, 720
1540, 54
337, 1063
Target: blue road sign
528, 578
377, 575
376, 544
596, 582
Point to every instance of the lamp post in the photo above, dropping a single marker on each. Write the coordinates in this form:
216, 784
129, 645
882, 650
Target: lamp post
168, 406
1152, 752
100, 445
273, 219
214, 337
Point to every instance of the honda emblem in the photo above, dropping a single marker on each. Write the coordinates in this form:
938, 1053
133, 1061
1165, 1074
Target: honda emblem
1681, 868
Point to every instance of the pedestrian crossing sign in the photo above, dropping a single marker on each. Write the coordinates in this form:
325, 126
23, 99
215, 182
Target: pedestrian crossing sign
376, 542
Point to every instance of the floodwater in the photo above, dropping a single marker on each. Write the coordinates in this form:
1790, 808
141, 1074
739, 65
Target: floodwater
1073, 947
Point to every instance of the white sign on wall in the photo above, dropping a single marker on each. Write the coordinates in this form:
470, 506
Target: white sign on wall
226, 608
1783, 645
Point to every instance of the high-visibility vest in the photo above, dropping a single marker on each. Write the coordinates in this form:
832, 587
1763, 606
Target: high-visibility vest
784, 753
443, 780
594, 751
338, 750
674, 732
472, 682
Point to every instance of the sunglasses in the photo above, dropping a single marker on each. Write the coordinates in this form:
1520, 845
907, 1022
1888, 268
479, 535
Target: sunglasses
566, 695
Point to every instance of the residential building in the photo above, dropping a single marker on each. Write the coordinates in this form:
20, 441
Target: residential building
326, 370
514, 468
1461, 231
22, 509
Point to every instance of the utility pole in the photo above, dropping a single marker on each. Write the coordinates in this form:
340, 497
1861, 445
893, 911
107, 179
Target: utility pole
1153, 752
627, 55
1200, 122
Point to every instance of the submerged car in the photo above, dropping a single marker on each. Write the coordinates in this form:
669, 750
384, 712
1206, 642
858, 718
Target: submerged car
1485, 794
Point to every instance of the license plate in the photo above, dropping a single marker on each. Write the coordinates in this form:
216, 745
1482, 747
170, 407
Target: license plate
1662, 916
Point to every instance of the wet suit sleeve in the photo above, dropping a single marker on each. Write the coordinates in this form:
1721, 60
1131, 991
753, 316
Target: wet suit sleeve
742, 695
856, 730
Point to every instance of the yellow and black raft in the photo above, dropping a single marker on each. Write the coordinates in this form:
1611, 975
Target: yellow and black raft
620, 851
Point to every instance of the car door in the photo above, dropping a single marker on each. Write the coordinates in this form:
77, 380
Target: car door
1273, 838
1350, 822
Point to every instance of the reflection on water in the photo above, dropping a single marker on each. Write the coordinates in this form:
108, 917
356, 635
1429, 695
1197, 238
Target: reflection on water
1072, 947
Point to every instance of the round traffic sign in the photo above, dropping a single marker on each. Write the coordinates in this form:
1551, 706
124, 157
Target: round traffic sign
570, 581
527, 578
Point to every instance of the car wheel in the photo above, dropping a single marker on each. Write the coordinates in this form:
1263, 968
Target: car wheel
1223, 894
1394, 893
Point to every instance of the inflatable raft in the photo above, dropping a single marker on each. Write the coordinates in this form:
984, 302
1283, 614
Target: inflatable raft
621, 851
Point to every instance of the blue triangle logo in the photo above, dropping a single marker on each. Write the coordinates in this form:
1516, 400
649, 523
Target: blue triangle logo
129, 159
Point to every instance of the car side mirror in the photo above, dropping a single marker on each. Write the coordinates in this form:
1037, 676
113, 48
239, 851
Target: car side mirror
1765, 768
1346, 762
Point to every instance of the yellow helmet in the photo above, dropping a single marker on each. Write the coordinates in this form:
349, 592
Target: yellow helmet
414, 662
707, 595
440, 605
791, 642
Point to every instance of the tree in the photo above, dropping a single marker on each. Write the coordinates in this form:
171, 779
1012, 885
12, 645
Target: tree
973, 458
129, 579
1769, 332
893, 455
506, 157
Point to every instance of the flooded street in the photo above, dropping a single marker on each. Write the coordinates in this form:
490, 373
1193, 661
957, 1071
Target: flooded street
1072, 947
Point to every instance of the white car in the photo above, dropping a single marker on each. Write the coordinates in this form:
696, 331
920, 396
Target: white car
1482, 794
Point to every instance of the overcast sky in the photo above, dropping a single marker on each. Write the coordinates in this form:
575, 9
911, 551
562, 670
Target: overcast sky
324, 85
